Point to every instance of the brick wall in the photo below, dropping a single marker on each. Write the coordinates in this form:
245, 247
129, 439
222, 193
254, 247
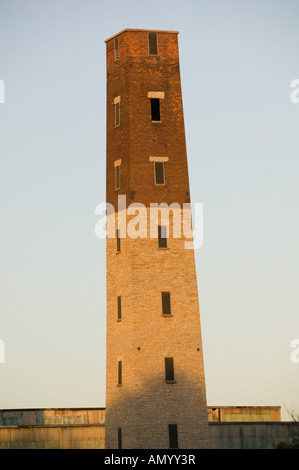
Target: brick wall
137, 138
144, 405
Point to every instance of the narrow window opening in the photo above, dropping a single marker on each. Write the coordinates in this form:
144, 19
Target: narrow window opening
119, 373
166, 307
169, 369
117, 114
155, 109
173, 436
118, 240
159, 173
117, 177
116, 48
119, 307
162, 236
119, 438
152, 44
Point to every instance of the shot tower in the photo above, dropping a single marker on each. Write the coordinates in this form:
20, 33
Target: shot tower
155, 385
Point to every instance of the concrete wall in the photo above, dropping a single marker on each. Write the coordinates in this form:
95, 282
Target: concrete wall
244, 413
223, 436
52, 416
52, 437
52, 429
250, 435
85, 429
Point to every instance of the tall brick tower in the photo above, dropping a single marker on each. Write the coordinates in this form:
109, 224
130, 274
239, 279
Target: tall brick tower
155, 385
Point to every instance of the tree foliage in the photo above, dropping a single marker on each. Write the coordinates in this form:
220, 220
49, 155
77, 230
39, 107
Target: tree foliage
294, 441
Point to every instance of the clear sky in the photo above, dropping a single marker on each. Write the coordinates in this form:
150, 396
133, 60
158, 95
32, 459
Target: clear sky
238, 58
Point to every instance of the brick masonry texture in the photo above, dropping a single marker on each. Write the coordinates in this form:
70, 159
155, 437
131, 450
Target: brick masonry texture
145, 404
137, 138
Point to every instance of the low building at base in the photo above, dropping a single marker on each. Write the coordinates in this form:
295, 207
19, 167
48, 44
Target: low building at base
222, 414
249, 427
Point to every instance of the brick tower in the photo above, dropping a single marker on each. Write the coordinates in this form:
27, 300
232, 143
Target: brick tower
155, 385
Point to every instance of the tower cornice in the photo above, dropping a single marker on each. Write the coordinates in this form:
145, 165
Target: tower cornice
141, 30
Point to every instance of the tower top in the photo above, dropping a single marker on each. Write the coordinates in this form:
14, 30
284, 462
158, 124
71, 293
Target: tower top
142, 45
141, 30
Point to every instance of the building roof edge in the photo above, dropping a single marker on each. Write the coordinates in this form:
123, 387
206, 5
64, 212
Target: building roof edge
147, 30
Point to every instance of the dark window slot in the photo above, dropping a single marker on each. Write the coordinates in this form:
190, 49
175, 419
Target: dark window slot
119, 371
152, 44
116, 48
117, 114
155, 109
159, 173
162, 236
117, 177
118, 241
169, 369
119, 307
173, 436
166, 307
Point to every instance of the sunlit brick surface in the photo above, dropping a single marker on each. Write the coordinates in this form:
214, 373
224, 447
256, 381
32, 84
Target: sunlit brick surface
145, 404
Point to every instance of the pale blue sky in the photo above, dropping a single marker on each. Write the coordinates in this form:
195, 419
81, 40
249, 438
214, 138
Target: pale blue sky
238, 59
